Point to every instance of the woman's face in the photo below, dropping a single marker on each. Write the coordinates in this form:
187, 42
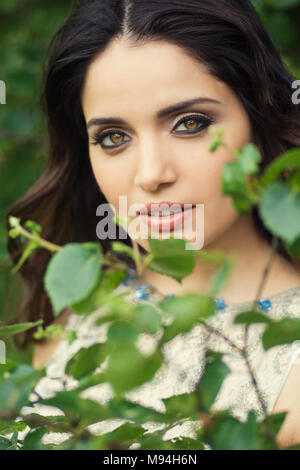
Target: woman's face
152, 157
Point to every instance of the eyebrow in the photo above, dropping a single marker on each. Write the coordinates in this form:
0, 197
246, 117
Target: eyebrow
162, 113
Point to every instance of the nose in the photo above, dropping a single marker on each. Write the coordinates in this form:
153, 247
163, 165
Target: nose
154, 168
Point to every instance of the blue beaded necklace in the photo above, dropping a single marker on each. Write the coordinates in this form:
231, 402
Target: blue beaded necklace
142, 293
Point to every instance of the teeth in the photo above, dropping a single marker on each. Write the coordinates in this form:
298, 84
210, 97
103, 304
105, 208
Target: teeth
165, 212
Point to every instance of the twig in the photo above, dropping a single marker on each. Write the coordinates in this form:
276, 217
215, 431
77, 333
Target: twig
258, 295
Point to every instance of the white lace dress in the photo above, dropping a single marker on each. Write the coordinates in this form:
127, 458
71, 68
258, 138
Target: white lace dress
183, 366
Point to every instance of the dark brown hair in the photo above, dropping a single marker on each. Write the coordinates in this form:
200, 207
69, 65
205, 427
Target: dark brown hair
226, 35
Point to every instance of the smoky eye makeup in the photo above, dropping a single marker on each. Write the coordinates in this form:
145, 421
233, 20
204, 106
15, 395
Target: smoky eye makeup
193, 123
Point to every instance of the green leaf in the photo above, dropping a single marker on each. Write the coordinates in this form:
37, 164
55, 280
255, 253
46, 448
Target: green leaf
83, 412
29, 249
242, 204
218, 132
33, 226
7, 367
154, 441
294, 248
86, 360
5, 443
72, 274
128, 368
249, 158
233, 179
109, 281
186, 311
7, 427
14, 233
120, 331
181, 406
50, 332
252, 316
285, 331
16, 388
122, 248
125, 435
171, 258
290, 159
146, 319
14, 221
17, 328
124, 409
121, 220
280, 211
211, 381
33, 441
272, 423
231, 434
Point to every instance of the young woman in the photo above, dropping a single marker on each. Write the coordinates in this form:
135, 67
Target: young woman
131, 90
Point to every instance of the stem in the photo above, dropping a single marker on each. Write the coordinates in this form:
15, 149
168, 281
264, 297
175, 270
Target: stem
258, 295
261, 285
35, 237
146, 261
218, 333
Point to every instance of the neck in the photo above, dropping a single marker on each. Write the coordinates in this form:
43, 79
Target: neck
250, 253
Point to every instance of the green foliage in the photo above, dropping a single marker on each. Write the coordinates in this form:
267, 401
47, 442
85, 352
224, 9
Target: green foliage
186, 311
75, 277
72, 274
210, 383
280, 211
171, 259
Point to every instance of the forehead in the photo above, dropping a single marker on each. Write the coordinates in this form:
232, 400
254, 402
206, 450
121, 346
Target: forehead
148, 75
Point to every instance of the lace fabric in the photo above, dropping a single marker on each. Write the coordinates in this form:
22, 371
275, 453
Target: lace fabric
183, 366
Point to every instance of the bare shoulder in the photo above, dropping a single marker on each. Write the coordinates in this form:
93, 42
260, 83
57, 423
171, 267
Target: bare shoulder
289, 400
43, 350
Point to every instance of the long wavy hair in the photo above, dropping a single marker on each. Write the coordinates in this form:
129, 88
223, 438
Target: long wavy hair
225, 35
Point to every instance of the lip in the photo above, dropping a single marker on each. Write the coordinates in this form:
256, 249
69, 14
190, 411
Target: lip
154, 206
170, 222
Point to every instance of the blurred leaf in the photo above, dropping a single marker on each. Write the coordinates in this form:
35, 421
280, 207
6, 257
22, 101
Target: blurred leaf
72, 274
171, 258
290, 159
86, 360
210, 382
280, 211
15, 390
284, 331
250, 317
232, 434
109, 281
186, 311
17, 328
249, 158
128, 368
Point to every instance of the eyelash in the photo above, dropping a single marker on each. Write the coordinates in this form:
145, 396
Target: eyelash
99, 136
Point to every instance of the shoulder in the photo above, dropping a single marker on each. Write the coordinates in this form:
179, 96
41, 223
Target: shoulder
288, 401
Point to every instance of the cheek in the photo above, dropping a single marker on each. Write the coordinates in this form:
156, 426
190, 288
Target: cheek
206, 174
108, 177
